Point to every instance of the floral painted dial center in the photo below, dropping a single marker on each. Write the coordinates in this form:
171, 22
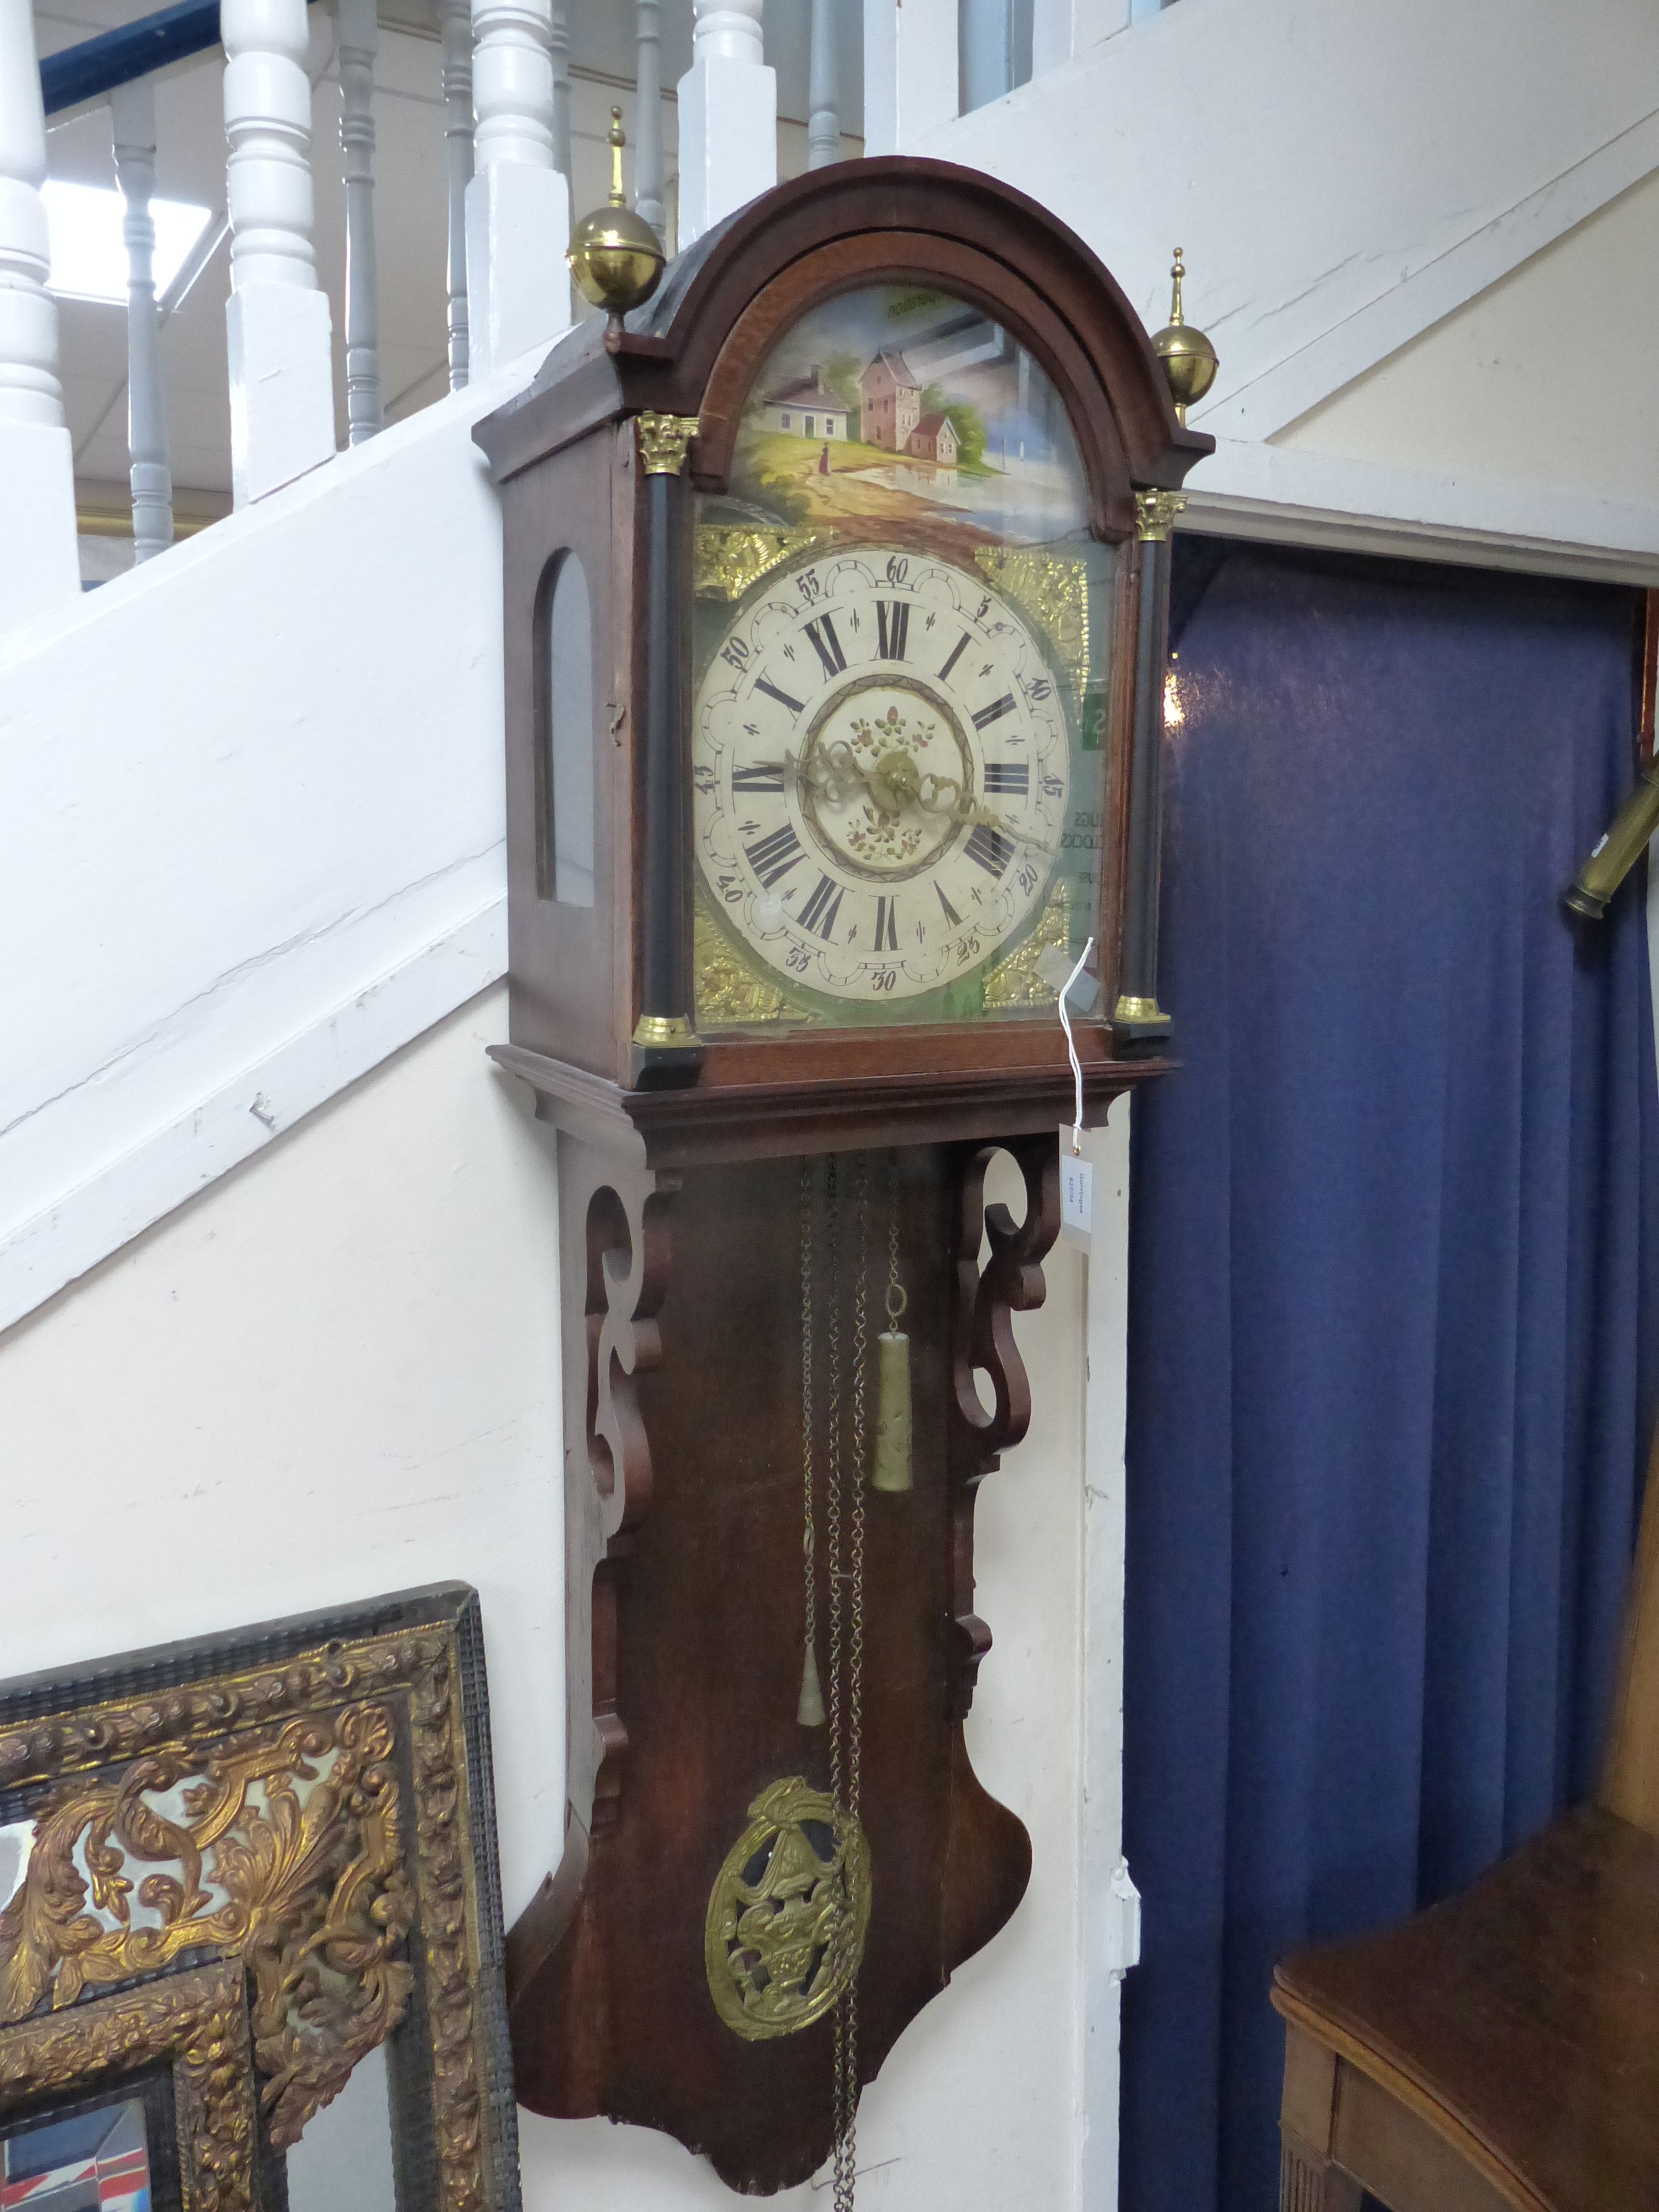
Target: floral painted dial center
880, 772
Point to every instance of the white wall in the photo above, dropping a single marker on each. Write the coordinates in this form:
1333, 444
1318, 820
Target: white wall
1345, 179
1547, 378
251, 834
334, 1374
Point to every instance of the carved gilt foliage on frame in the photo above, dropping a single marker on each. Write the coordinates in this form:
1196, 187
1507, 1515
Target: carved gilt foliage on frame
286, 1849
262, 1814
197, 2023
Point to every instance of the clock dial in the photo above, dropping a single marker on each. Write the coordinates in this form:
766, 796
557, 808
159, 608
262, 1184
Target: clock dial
881, 768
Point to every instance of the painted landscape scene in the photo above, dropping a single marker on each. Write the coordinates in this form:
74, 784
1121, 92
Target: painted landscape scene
907, 416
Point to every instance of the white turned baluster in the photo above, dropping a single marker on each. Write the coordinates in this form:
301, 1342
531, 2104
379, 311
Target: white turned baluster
824, 92
728, 116
282, 388
517, 204
648, 116
457, 22
359, 43
911, 71
132, 118
38, 563
558, 44
984, 50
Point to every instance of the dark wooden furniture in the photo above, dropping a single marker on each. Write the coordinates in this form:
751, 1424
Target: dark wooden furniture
1501, 2049
680, 1168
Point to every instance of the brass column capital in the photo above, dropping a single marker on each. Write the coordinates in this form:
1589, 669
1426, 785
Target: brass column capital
665, 441
1156, 511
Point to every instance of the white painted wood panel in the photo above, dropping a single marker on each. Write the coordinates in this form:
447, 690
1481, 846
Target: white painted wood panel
1341, 177
278, 861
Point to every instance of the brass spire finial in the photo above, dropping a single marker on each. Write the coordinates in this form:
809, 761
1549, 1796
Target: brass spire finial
618, 141
1188, 360
614, 255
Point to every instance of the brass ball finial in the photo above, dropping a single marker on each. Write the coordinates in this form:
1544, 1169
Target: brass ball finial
615, 255
1189, 361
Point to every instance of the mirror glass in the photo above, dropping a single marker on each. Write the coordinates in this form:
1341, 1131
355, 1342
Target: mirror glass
342, 2162
566, 826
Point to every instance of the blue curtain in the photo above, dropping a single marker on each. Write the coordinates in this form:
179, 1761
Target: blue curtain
1392, 1303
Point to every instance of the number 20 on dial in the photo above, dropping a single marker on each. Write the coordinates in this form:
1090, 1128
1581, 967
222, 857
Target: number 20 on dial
880, 769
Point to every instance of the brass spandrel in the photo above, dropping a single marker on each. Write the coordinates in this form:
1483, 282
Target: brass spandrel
1051, 591
1015, 983
729, 560
729, 994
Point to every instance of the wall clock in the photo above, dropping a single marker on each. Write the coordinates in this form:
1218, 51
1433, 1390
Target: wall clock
835, 604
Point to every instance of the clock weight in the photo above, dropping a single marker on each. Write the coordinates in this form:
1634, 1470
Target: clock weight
891, 1470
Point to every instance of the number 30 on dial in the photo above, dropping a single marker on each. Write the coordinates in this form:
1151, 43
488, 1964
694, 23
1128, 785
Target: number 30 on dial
879, 769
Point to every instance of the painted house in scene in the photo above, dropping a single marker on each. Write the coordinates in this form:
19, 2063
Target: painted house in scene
804, 408
890, 401
934, 439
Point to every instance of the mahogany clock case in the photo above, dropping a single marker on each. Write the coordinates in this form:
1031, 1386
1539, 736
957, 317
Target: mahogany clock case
683, 1615
683, 1262
565, 454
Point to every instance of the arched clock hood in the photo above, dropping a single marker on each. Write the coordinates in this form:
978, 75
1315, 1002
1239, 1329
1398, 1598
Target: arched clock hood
693, 349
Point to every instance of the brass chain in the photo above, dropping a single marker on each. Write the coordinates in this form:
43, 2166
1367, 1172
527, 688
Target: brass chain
847, 2010
846, 1436
809, 1534
896, 1300
832, 1479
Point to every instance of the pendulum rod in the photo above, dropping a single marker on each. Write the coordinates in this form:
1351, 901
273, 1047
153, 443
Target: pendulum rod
810, 1711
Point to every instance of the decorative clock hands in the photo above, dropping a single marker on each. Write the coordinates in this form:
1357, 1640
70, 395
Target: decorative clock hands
833, 773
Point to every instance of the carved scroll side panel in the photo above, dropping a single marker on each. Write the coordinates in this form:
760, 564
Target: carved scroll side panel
989, 1857
982, 1344
616, 1257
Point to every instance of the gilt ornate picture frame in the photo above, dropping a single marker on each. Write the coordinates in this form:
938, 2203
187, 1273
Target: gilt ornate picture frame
229, 1871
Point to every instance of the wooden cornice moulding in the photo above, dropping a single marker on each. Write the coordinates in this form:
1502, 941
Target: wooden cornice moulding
706, 1126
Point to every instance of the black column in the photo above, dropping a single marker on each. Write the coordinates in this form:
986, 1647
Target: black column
1137, 1021
665, 1049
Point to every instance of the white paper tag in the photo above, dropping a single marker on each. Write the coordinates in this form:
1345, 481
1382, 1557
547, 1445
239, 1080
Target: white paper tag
1076, 1195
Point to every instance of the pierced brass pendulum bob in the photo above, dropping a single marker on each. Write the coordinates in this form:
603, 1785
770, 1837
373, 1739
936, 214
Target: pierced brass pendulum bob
614, 254
1188, 360
891, 1471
